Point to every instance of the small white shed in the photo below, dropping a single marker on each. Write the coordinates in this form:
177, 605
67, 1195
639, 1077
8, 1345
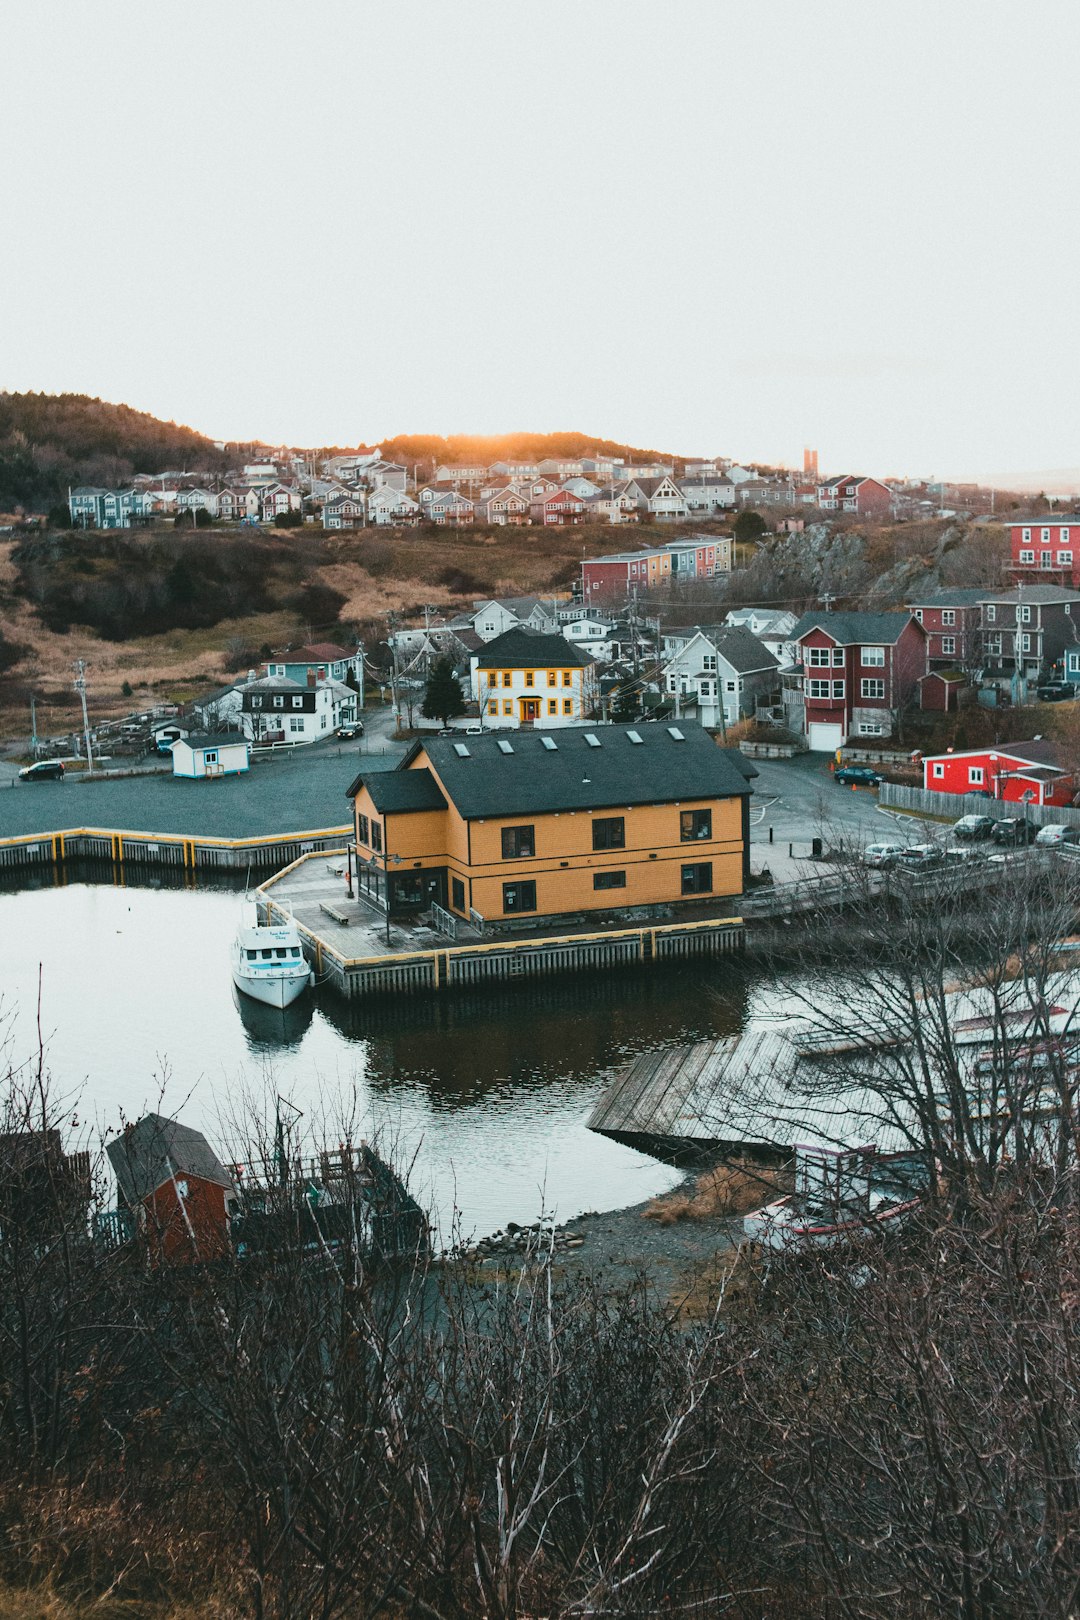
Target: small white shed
224, 753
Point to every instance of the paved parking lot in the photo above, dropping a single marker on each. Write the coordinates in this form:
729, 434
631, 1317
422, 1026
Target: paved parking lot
299, 793
799, 800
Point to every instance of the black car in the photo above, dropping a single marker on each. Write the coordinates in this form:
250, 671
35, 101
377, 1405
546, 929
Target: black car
974, 827
1015, 830
1054, 691
858, 776
46, 770
353, 729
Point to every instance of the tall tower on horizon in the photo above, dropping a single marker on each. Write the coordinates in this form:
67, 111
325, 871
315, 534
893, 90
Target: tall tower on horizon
809, 466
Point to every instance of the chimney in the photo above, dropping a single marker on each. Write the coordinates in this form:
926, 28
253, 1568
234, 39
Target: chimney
312, 677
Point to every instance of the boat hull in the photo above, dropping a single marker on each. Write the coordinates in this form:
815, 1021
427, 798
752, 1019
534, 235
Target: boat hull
273, 992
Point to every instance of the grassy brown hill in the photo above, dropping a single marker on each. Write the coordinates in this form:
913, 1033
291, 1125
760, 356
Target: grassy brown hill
51, 441
428, 449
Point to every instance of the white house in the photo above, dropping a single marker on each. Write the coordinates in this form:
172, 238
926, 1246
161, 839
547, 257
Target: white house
721, 669
220, 707
771, 628
491, 619
277, 710
660, 497
708, 492
208, 754
592, 634
581, 486
388, 505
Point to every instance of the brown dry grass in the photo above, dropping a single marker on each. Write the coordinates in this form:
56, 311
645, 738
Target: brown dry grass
445, 569
729, 1189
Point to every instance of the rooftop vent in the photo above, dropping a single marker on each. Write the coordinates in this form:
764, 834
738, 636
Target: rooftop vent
673, 731
461, 751
592, 740
503, 746
550, 744
634, 736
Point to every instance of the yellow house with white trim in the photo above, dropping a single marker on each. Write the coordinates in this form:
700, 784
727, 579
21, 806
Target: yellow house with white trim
526, 678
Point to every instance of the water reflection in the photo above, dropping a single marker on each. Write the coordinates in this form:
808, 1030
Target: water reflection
270, 1029
489, 1089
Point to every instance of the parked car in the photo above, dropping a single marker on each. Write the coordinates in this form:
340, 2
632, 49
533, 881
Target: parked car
1055, 832
348, 732
882, 854
46, 770
974, 827
918, 857
1054, 691
858, 776
1014, 830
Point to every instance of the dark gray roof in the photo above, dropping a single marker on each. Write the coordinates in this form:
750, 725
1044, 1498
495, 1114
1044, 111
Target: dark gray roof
1032, 593
849, 629
213, 739
522, 648
148, 1154
396, 792
535, 779
740, 647
954, 596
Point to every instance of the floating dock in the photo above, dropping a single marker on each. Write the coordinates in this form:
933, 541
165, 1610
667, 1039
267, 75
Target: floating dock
346, 940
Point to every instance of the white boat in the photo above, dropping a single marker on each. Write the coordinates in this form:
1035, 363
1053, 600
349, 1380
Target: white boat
268, 963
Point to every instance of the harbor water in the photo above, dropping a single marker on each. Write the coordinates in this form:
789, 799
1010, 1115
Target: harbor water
484, 1095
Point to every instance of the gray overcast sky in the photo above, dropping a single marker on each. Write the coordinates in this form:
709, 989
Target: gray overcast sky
701, 226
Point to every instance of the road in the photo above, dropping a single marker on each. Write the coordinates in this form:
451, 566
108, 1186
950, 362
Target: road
798, 800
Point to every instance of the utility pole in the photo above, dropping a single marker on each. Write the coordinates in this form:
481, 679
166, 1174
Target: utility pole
827, 600
80, 687
33, 726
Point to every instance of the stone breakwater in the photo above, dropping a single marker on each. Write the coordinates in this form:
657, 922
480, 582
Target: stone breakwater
515, 1240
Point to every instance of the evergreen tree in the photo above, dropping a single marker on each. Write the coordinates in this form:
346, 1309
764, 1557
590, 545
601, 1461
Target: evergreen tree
442, 694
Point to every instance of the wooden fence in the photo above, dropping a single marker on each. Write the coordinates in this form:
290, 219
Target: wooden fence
955, 805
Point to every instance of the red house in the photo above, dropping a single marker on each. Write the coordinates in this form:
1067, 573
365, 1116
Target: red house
557, 506
865, 497
1047, 549
857, 671
1003, 773
176, 1188
951, 619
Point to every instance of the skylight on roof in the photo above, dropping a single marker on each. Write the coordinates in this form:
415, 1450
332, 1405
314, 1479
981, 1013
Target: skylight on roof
635, 736
461, 751
503, 746
593, 741
550, 744
673, 731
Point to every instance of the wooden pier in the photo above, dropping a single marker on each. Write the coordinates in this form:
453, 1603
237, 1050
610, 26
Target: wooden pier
356, 961
756, 1095
179, 851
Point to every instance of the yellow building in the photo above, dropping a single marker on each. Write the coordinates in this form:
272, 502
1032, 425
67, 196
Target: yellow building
526, 678
548, 825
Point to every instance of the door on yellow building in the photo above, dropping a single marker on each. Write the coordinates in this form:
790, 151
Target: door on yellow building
530, 710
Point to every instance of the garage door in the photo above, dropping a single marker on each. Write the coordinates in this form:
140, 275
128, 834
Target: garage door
825, 739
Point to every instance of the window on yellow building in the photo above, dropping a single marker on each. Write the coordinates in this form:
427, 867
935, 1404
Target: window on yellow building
519, 896
695, 824
457, 894
508, 679
568, 706
553, 705
362, 833
552, 678
493, 708
518, 841
528, 677
376, 836
567, 678
609, 880
697, 879
508, 706
609, 832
